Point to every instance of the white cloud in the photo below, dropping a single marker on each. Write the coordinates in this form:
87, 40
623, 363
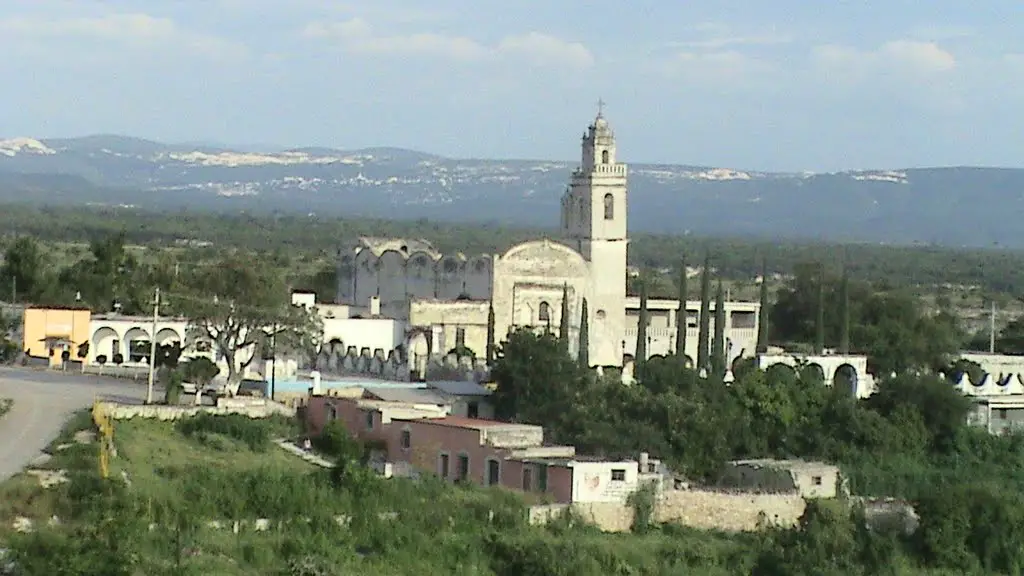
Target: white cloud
720, 42
136, 28
898, 56
725, 66
544, 49
358, 36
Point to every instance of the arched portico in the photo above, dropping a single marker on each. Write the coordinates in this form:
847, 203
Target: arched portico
853, 369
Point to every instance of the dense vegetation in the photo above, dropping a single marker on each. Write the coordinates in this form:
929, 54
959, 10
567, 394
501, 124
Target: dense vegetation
306, 241
910, 440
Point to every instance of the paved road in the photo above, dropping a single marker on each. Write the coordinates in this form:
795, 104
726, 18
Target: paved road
43, 402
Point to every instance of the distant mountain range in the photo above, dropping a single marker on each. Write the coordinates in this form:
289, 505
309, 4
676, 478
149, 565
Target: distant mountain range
960, 206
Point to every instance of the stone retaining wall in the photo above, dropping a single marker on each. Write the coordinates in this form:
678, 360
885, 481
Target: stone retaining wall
704, 509
245, 407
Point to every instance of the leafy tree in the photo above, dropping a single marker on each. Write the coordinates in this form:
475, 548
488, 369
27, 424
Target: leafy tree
1010, 339
891, 328
704, 326
241, 306
718, 343
23, 270
199, 371
536, 380
583, 355
682, 314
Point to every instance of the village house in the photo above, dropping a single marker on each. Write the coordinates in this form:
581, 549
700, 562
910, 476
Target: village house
423, 438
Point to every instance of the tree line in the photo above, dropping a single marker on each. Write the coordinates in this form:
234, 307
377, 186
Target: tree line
290, 236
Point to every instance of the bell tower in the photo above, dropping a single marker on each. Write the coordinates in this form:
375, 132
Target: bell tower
594, 221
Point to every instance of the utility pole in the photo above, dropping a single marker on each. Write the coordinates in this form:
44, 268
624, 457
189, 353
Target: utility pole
273, 357
152, 347
992, 330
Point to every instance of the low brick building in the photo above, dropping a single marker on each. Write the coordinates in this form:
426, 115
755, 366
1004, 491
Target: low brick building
424, 438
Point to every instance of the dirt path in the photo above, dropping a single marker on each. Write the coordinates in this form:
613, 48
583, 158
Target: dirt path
43, 402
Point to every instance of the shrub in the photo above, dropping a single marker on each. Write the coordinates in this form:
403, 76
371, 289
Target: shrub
253, 433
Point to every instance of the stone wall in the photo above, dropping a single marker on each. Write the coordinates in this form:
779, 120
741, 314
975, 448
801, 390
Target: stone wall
730, 511
245, 407
703, 509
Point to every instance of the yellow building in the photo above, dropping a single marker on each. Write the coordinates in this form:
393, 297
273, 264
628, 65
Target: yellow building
51, 331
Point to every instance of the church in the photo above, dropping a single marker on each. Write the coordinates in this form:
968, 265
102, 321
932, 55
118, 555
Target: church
444, 299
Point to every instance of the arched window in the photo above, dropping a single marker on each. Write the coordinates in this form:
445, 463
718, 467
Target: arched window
609, 207
604, 156
544, 312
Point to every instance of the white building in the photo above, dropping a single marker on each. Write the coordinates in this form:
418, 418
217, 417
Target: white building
445, 298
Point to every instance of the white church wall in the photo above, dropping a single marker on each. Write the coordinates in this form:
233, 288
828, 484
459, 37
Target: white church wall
444, 321
532, 274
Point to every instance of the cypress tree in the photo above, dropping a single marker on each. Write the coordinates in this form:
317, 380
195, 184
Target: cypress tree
704, 326
641, 331
583, 356
819, 322
490, 335
762, 321
563, 322
681, 315
718, 344
844, 304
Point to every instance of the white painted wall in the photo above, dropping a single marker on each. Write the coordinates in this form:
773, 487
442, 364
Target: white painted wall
592, 481
383, 334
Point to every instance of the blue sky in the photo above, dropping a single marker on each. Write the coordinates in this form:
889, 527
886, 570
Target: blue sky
750, 84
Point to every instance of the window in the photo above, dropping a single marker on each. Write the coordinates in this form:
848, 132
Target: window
1002, 413
816, 480
473, 410
444, 465
527, 480
544, 312
460, 338
406, 439
542, 477
609, 207
330, 414
369, 420
493, 472
115, 349
138, 350
652, 467
618, 475
463, 467
604, 156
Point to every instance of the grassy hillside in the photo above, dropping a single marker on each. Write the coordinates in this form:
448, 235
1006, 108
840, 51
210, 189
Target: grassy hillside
169, 481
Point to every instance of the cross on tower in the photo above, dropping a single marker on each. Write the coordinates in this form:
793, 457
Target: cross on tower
600, 107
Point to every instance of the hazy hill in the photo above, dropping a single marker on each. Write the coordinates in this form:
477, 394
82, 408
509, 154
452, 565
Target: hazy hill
951, 206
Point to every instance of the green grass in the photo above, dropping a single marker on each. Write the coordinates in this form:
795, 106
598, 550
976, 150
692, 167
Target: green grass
5, 406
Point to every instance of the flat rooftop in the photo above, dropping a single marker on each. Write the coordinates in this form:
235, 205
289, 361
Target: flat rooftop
477, 423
